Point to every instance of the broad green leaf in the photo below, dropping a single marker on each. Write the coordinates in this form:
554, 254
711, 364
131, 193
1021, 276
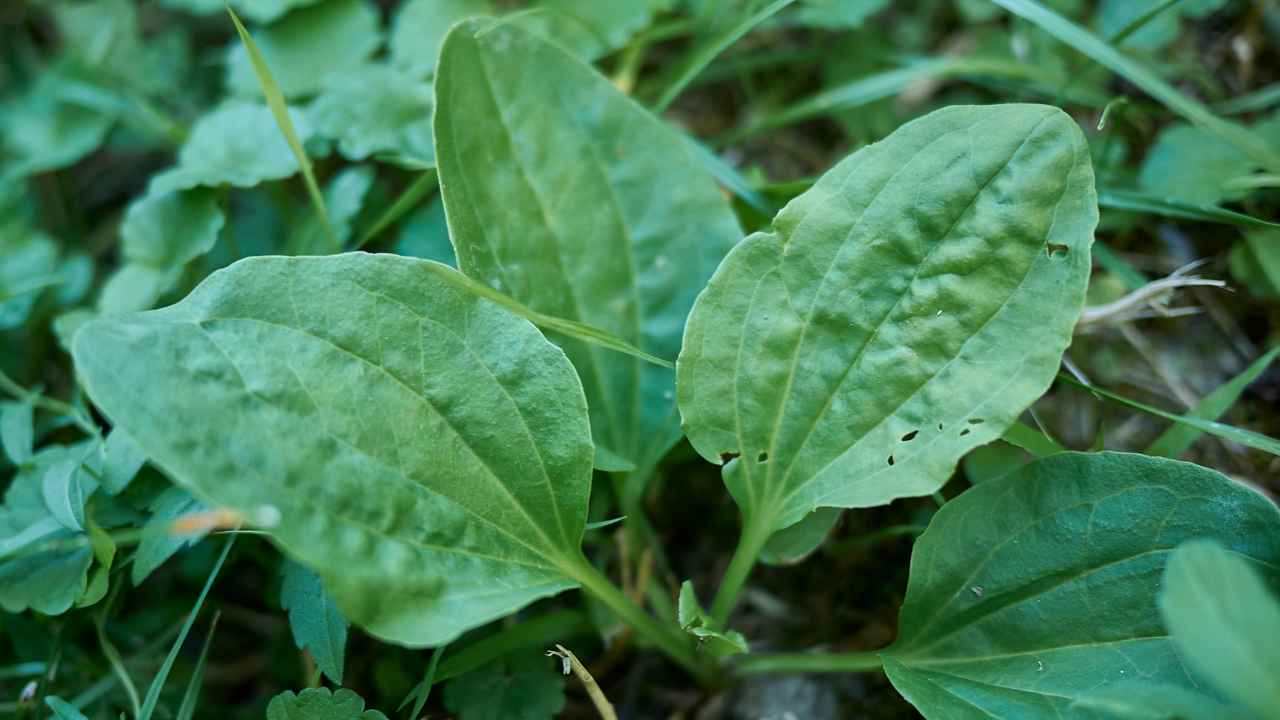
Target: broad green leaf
236, 144
17, 431
1224, 620
425, 234
607, 218
524, 686
420, 27
318, 626
307, 47
43, 130
589, 30
121, 461
160, 541
30, 267
697, 622
344, 199
427, 453
376, 109
1160, 28
65, 488
49, 580
1193, 165
320, 704
898, 314
161, 233
1037, 589
104, 553
792, 544
1179, 438
1139, 700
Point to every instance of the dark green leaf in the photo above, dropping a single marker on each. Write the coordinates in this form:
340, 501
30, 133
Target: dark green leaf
17, 431
320, 704
317, 624
525, 686
608, 220
160, 541
1037, 589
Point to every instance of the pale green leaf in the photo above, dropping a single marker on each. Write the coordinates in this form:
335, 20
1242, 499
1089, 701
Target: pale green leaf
374, 110
1139, 700
420, 26
1037, 589
589, 30
320, 704
607, 218
427, 453
159, 541
525, 686
45, 131
259, 11
318, 626
17, 431
1144, 202
697, 622
65, 488
903, 311
235, 144
344, 199
121, 461
30, 267
1192, 165
793, 544
1159, 29
307, 47
1224, 620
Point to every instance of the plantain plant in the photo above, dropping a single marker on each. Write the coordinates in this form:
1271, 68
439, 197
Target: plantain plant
427, 442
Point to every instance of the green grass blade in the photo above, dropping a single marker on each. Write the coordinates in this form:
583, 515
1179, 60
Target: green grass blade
573, 329
1032, 440
705, 52
117, 665
1104, 54
1256, 101
423, 690
187, 710
428, 181
280, 110
1248, 438
1140, 22
1137, 201
157, 684
1175, 441
729, 177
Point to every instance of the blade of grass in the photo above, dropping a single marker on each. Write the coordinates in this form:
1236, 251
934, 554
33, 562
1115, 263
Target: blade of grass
1132, 277
571, 328
1135, 201
1175, 441
408, 200
187, 710
1258, 100
729, 177
280, 111
1248, 438
157, 683
422, 691
1140, 22
707, 51
117, 663
1104, 54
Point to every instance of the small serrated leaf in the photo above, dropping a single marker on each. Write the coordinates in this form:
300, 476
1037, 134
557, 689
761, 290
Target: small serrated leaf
317, 624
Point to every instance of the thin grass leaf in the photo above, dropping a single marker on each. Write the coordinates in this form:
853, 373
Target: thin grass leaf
187, 710
729, 177
1132, 277
705, 52
428, 181
1140, 22
280, 110
1136, 201
1248, 438
157, 684
423, 689
1105, 54
573, 329
117, 665
1256, 101
1175, 441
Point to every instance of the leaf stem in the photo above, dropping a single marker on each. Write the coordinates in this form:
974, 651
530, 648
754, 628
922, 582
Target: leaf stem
57, 407
755, 533
678, 646
758, 664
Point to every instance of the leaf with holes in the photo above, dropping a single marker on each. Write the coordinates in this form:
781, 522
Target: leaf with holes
900, 313
428, 453
607, 219
1038, 589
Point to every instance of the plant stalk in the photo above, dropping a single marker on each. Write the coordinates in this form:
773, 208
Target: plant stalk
755, 533
808, 663
677, 645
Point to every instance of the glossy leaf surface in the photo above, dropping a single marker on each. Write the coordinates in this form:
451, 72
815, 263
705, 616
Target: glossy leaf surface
563, 193
899, 313
1036, 589
428, 453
